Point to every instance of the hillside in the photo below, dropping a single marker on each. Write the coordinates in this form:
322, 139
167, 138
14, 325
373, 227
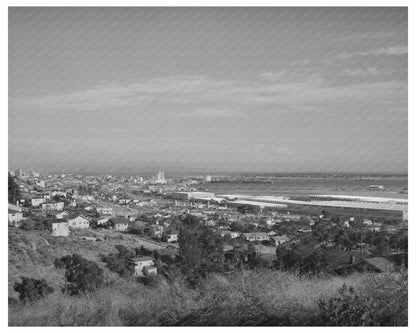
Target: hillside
262, 297
32, 253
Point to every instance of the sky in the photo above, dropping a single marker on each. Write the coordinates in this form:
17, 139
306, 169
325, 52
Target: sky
208, 89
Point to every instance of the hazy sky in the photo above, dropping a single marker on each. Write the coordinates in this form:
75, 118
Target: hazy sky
208, 89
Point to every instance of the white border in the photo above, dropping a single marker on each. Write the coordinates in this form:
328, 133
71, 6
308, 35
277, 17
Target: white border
4, 124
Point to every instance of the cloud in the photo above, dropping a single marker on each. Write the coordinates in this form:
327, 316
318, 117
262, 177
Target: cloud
388, 51
361, 72
205, 97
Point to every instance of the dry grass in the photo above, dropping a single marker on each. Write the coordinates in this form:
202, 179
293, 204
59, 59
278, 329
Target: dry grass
254, 298
246, 298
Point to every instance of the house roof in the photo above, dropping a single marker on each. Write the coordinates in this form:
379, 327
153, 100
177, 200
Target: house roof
143, 258
258, 234
119, 220
382, 264
280, 238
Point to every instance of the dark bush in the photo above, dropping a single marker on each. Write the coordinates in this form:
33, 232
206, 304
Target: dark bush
120, 262
32, 289
81, 275
382, 304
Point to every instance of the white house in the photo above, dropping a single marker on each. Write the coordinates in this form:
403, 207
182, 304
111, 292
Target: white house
280, 239
104, 210
102, 221
256, 236
61, 215
15, 215
79, 222
172, 237
119, 223
52, 205
60, 229
233, 234
36, 202
144, 266
41, 183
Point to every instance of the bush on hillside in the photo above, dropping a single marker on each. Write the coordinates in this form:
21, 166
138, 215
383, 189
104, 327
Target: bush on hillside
384, 303
32, 289
81, 275
120, 262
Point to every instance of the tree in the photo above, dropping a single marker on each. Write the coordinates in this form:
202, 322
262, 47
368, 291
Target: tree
81, 275
32, 289
120, 262
13, 189
200, 250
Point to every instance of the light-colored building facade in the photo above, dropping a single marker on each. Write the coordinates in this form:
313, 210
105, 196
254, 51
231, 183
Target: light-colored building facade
49, 206
79, 222
60, 229
144, 266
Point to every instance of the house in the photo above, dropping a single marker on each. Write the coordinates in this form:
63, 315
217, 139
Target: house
52, 205
104, 210
280, 239
233, 234
78, 222
15, 215
172, 236
256, 236
386, 264
157, 230
60, 229
144, 266
36, 202
119, 223
59, 215
103, 221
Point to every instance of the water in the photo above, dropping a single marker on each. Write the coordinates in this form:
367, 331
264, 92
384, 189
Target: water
291, 186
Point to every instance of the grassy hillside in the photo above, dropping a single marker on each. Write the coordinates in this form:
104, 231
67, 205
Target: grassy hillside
32, 253
262, 297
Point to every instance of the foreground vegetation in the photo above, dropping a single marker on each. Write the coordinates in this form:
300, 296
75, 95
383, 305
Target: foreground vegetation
261, 297
72, 282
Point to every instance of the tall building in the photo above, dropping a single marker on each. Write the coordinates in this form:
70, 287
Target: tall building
208, 179
19, 173
160, 178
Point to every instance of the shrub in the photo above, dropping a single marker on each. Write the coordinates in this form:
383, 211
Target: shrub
27, 224
81, 275
382, 303
120, 262
32, 289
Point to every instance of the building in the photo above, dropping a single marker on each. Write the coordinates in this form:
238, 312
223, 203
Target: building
41, 183
376, 188
232, 234
256, 236
36, 202
119, 223
78, 222
280, 239
60, 229
368, 210
172, 237
104, 210
160, 178
144, 266
192, 195
103, 221
15, 215
59, 215
208, 179
19, 173
52, 205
